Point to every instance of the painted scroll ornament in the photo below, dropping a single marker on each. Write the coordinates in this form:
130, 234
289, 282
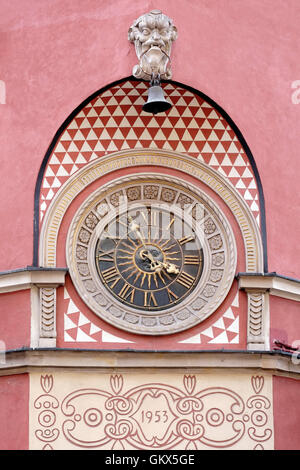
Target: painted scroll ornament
152, 35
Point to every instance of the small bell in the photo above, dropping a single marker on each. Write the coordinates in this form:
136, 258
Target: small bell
156, 102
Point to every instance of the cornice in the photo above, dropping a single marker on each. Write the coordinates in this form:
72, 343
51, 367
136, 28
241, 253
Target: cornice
25, 278
274, 283
29, 360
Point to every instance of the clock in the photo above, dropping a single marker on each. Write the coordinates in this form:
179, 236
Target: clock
149, 257
151, 254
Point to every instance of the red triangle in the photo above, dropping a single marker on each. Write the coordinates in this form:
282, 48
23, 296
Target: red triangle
72, 332
231, 335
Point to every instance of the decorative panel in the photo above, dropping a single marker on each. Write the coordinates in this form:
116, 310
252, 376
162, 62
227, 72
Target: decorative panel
221, 410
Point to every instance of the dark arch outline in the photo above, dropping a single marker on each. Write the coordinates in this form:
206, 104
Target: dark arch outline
192, 90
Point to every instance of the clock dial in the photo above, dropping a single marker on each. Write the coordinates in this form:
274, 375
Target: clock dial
149, 258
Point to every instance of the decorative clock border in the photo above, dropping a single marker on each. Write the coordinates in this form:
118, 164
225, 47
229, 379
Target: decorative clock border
217, 240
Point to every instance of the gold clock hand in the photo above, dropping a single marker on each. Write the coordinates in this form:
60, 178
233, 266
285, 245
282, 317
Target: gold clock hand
157, 265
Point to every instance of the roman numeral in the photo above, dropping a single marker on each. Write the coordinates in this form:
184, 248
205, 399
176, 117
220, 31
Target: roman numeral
111, 275
185, 279
171, 295
127, 291
184, 240
191, 259
148, 298
106, 255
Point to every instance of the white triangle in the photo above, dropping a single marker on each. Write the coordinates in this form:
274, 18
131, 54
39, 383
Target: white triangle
233, 173
252, 184
186, 136
82, 320
219, 125
219, 324
226, 137
66, 136
226, 161
67, 160
79, 136
108, 338
200, 114
132, 111
92, 112
221, 338
49, 172
112, 147
213, 161
73, 125
193, 124
213, 137
104, 135
208, 332
234, 327
239, 161
91, 135
213, 115
229, 314
192, 340
200, 136
83, 337
68, 323
154, 123
207, 148
94, 329
99, 102
254, 206
247, 173
72, 307
220, 148
248, 196
233, 148
46, 184
54, 160
80, 158
50, 195
235, 302
56, 183
68, 338
173, 135
98, 123
240, 185
206, 125
234, 340
74, 168
66, 294
145, 135
72, 147
131, 135
193, 148
99, 147
111, 123
118, 112
85, 124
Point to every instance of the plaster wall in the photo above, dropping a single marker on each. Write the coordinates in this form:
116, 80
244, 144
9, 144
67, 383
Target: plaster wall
243, 56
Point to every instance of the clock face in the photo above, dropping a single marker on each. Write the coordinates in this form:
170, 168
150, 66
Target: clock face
149, 258
151, 254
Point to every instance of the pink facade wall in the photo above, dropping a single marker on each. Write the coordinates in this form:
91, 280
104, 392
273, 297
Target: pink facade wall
15, 315
14, 395
286, 413
242, 56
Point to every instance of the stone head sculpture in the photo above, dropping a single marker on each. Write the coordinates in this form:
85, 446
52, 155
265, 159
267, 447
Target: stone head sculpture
152, 35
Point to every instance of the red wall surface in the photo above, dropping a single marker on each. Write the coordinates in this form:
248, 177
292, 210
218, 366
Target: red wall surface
15, 315
243, 54
14, 395
286, 394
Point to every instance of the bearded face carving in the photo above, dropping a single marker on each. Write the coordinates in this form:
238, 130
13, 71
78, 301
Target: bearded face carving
152, 35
